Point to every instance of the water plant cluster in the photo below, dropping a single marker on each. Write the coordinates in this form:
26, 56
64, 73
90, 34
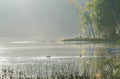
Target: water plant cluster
77, 68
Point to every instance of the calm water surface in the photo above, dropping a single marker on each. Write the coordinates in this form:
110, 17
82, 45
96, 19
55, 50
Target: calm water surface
44, 58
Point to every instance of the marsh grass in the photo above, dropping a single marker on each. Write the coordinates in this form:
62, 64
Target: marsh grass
81, 68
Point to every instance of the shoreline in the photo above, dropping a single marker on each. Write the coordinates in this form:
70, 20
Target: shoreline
91, 39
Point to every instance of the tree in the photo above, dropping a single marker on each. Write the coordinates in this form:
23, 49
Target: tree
85, 20
106, 16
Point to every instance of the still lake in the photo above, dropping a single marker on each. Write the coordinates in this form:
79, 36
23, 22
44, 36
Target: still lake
45, 57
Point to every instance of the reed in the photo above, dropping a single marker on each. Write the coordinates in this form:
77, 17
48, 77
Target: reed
95, 68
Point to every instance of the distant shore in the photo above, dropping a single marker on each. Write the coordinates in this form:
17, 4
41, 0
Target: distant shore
90, 39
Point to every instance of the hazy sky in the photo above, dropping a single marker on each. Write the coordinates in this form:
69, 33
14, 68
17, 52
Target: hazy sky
46, 19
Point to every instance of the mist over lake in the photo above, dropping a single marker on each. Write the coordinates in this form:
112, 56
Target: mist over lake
59, 39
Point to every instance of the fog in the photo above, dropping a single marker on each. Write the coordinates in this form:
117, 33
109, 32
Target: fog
44, 19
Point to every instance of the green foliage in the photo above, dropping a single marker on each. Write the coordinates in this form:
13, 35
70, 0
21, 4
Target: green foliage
105, 16
118, 42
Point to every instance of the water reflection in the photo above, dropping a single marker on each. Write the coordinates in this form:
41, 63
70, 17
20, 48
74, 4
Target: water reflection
65, 61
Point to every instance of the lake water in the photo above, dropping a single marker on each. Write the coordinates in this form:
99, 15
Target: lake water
45, 57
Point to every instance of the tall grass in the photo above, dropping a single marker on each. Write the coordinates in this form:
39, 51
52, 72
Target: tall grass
79, 68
